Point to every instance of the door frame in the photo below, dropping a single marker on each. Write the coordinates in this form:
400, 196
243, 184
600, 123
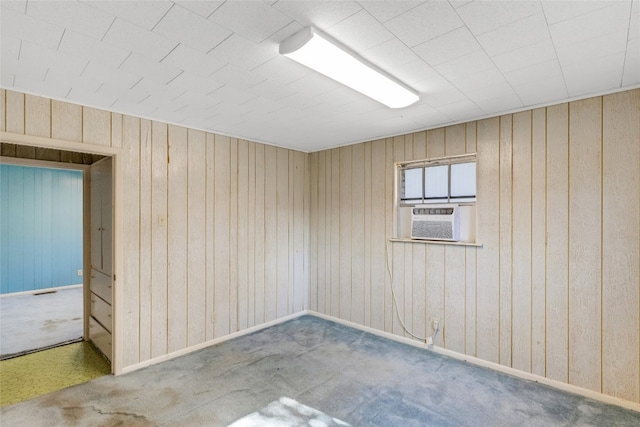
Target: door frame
118, 212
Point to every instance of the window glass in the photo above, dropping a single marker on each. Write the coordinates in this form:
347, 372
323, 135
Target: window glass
463, 180
436, 182
412, 180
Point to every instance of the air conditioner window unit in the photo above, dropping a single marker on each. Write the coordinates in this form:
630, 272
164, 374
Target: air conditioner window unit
435, 222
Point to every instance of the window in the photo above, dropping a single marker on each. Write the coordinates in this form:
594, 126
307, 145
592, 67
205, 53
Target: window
446, 180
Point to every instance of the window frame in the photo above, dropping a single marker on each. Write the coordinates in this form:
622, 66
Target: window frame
424, 163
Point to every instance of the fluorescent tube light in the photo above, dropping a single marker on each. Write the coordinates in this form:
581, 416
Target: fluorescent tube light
316, 52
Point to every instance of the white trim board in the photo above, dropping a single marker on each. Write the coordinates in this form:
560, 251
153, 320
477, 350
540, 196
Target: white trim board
494, 366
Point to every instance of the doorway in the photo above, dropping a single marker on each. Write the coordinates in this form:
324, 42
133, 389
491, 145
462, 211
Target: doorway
85, 359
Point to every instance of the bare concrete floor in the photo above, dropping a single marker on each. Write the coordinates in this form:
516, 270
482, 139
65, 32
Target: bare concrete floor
29, 322
359, 378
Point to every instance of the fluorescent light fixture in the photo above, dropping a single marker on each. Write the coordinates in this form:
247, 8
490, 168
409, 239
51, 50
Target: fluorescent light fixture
318, 53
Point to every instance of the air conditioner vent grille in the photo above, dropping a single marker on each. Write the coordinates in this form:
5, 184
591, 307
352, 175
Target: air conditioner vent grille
432, 229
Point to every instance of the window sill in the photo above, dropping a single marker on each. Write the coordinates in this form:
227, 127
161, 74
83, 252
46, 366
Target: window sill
435, 242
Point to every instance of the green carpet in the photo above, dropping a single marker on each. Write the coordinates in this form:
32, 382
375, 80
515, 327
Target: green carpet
25, 377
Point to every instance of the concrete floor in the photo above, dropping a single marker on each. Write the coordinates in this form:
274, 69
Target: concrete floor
29, 322
353, 376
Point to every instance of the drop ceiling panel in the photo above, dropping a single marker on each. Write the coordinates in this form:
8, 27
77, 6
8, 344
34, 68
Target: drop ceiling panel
215, 65
145, 14
191, 29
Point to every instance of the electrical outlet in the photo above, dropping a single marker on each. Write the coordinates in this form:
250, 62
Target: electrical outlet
213, 317
79, 272
435, 324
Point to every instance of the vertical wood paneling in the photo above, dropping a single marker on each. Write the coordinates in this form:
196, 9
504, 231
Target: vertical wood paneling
621, 246
66, 121
251, 234
37, 116
585, 219
389, 189
345, 229
260, 218
196, 233
221, 232
270, 241
315, 250
242, 255
398, 312
357, 234
15, 112
379, 274
233, 237
328, 200
96, 126
178, 243
435, 257
505, 233
453, 322
116, 130
367, 211
419, 253
336, 247
488, 217
282, 232
210, 236
299, 283
521, 225
471, 254
538, 241
407, 286
131, 227
159, 242
146, 236
557, 256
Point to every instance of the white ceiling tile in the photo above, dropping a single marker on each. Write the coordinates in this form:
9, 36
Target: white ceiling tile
190, 82
254, 20
313, 85
101, 73
191, 29
542, 91
525, 56
497, 90
484, 16
231, 96
359, 32
451, 45
460, 110
27, 28
415, 72
243, 52
425, 22
386, 10
557, 11
196, 62
603, 21
459, 3
593, 48
10, 47
465, 65
202, 8
594, 75
149, 69
390, 55
526, 31
443, 93
472, 82
16, 6
634, 24
281, 70
50, 87
549, 70
32, 53
500, 104
270, 90
320, 14
72, 15
237, 77
127, 36
145, 14
631, 73
79, 45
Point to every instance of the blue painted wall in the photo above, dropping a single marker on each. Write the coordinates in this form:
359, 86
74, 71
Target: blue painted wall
40, 228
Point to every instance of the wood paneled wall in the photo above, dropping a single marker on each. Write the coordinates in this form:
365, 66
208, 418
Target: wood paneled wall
215, 229
554, 290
